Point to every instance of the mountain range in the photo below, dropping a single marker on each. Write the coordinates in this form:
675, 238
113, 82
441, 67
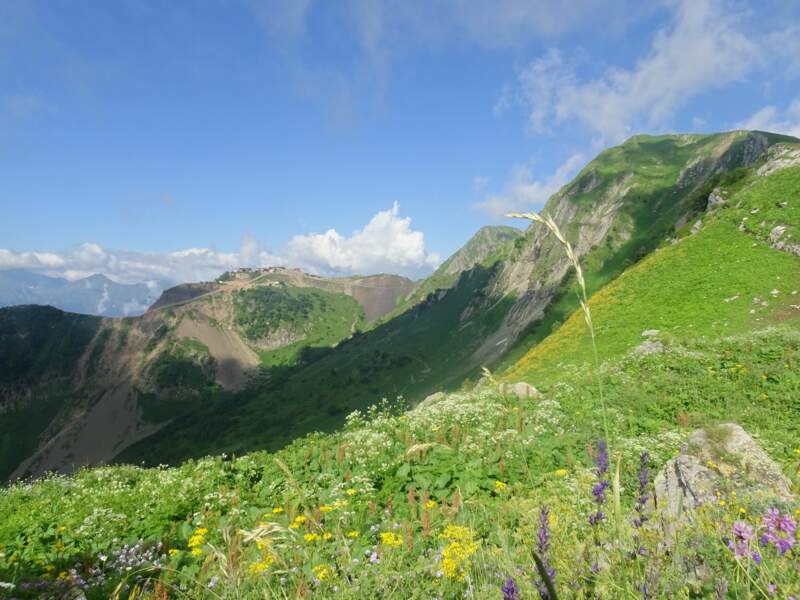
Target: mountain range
93, 295
261, 357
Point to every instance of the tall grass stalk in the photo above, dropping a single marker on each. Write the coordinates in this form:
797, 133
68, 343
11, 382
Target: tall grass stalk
583, 298
548, 222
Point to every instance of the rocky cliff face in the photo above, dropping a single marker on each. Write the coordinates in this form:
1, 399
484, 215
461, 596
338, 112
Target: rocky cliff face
620, 206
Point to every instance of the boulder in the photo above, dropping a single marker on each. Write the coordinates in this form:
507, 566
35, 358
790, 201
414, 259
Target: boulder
432, 399
696, 227
715, 199
649, 347
520, 389
716, 458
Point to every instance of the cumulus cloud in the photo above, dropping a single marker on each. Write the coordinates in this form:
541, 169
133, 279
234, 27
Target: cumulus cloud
523, 192
387, 243
772, 118
704, 48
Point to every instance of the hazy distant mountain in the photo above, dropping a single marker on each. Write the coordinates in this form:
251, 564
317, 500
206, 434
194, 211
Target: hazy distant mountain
94, 295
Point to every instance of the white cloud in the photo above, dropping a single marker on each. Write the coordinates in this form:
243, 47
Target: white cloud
771, 118
523, 192
703, 49
386, 244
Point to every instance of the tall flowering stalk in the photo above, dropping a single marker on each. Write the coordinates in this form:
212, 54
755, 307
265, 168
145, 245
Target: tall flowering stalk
599, 489
542, 550
551, 225
644, 496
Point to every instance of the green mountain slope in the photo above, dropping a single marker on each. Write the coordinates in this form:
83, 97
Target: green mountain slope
213, 355
488, 245
726, 278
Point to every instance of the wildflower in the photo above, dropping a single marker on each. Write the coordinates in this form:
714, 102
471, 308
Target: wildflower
174, 551
298, 520
277, 510
201, 531
262, 565
327, 536
212, 583
542, 548
455, 555
560, 472
197, 551
391, 539
430, 504
325, 508
599, 489
311, 537
780, 531
742, 535
500, 486
352, 534
510, 589
644, 480
350, 492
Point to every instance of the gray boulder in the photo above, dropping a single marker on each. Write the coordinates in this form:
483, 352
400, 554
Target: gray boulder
520, 389
716, 458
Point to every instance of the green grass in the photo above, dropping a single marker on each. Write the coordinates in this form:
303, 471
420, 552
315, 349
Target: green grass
705, 285
466, 443
319, 319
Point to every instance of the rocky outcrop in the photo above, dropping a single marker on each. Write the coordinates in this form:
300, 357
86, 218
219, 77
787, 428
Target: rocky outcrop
520, 389
717, 458
780, 156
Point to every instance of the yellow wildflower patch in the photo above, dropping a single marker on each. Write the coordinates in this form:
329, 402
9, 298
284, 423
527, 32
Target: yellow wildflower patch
391, 539
323, 572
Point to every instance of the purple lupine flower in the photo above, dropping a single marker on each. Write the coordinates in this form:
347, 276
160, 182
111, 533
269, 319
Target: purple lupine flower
602, 458
510, 589
743, 534
542, 548
543, 542
644, 480
599, 489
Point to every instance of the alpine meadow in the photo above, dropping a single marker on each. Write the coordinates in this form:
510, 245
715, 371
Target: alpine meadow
595, 395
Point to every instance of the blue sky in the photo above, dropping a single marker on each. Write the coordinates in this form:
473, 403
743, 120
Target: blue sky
162, 140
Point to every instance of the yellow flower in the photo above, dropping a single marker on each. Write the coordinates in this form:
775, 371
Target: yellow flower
499, 485
262, 565
327, 536
742, 510
197, 551
340, 503
391, 539
722, 502
326, 508
430, 504
322, 572
797, 451
174, 551
560, 472
311, 537
352, 534
201, 531
195, 541
298, 520
350, 492
277, 510
455, 556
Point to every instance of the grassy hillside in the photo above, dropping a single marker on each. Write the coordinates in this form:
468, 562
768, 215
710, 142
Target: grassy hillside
452, 498
485, 248
424, 349
716, 282
638, 193
441, 501
310, 317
